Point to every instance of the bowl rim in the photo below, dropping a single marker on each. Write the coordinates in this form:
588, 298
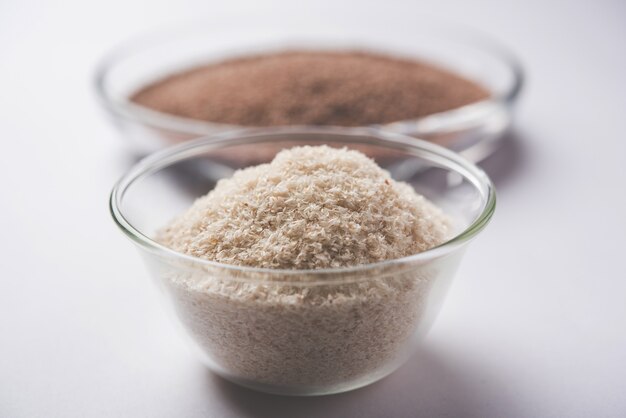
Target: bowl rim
436, 123
164, 158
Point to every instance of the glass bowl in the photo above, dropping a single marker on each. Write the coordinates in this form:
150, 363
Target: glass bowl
301, 332
472, 129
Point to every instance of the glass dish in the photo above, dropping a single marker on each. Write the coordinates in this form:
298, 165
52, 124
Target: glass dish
473, 129
275, 330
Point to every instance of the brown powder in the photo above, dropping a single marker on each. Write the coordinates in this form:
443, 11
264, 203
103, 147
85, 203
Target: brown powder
310, 88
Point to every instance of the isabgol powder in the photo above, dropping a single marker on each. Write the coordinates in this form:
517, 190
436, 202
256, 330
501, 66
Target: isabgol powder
310, 208
348, 88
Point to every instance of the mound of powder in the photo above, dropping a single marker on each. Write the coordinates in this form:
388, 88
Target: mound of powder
348, 88
310, 208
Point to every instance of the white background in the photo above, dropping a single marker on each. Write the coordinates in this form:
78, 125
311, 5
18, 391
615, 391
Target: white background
534, 326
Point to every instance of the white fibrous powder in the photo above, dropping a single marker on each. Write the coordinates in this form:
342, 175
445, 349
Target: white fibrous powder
310, 208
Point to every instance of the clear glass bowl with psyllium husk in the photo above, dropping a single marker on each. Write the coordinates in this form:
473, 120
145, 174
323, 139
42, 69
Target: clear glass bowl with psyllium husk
461, 94
301, 331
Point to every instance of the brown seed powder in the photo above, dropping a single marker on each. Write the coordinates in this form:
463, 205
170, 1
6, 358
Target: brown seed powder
310, 88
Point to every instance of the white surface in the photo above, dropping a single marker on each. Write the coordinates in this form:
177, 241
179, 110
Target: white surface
534, 326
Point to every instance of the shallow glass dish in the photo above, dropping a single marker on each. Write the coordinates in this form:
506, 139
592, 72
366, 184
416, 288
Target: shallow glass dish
473, 129
301, 332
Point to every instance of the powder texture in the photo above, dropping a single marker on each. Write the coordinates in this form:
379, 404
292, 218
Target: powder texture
310, 88
310, 208
307, 339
